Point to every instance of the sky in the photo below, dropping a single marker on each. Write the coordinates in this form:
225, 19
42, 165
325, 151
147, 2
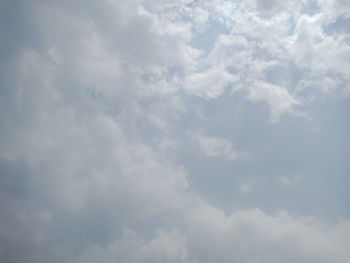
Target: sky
188, 131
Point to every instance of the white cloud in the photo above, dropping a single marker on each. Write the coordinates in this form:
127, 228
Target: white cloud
324, 57
248, 236
334, 9
278, 99
209, 84
82, 183
217, 147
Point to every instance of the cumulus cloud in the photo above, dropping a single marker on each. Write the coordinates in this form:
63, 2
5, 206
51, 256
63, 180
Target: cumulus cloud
93, 97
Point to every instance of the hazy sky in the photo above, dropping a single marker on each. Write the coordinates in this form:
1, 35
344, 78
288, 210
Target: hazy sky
159, 131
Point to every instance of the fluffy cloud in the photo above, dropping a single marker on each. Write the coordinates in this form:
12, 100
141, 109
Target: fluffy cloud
209, 84
83, 85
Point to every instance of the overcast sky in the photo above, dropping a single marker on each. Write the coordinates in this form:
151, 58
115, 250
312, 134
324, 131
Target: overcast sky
163, 131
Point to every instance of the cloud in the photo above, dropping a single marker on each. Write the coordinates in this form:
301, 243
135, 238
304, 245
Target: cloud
212, 235
93, 97
279, 99
209, 84
217, 147
290, 180
309, 41
248, 185
271, 238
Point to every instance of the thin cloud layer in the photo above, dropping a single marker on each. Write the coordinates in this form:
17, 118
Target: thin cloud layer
108, 107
